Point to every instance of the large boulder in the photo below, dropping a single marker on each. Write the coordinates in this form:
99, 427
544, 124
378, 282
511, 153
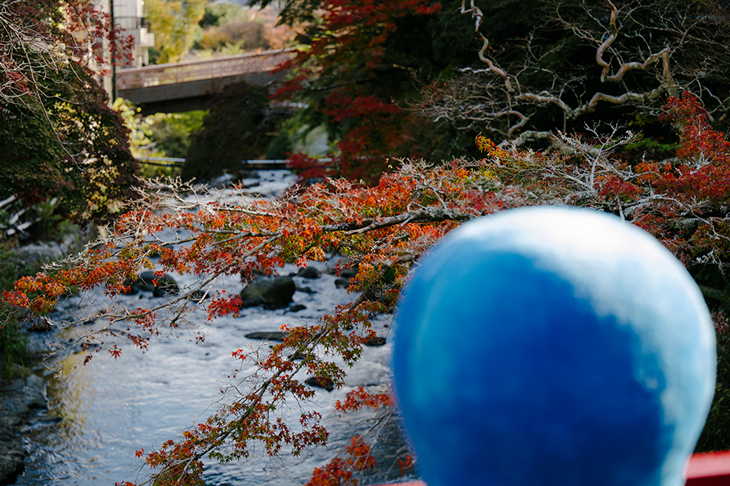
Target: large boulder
11, 465
148, 282
309, 272
272, 293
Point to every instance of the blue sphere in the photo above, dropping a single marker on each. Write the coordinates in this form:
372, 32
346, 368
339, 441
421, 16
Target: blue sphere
552, 346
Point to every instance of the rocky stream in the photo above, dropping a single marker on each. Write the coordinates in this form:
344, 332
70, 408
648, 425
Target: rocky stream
65, 423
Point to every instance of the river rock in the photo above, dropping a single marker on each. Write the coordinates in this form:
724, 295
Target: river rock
199, 296
268, 336
18, 399
309, 272
375, 341
325, 383
145, 282
34, 392
33, 256
11, 466
341, 266
272, 293
348, 272
38, 324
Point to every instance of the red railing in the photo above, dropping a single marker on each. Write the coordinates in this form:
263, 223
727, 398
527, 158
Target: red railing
219, 67
707, 469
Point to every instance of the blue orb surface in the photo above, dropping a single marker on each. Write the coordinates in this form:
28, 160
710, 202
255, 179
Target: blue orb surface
552, 346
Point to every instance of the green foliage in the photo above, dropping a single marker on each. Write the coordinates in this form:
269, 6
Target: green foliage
281, 146
230, 29
175, 24
294, 11
140, 129
12, 343
159, 135
217, 14
49, 225
172, 132
654, 141
450, 47
238, 127
9, 270
141, 145
33, 160
73, 147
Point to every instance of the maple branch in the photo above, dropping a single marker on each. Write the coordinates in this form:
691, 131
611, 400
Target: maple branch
252, 399
418, 216
241, 235
491, 66
479, 15
248, 212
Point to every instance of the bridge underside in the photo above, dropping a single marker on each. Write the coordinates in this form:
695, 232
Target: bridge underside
191, 95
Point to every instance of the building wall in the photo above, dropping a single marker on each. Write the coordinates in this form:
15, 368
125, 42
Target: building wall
129, 15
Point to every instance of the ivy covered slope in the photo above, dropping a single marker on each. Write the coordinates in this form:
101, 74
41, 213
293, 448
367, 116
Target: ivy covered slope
58, 136
383, 229
64, 153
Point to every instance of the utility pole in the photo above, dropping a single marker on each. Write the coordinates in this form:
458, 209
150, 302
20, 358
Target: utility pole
114, 51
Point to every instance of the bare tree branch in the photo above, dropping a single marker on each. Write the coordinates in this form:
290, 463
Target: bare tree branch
645, 51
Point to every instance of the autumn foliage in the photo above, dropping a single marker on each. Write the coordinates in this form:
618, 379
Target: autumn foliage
382, 229
59, 138
355, 55
41, 35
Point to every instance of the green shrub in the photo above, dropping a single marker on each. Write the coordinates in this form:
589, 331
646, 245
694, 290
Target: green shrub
716, 434
172, 132
12, 343
240, 126
281, 146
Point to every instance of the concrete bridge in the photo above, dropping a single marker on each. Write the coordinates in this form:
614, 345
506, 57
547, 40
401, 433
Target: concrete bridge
190, 85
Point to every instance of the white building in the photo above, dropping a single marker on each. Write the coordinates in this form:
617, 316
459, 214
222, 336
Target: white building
129, 15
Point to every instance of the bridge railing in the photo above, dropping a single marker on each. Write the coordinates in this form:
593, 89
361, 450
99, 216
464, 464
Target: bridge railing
704, 469
256, 164
187, 71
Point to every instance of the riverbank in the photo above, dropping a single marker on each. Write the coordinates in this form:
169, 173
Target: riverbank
23, 397
22, 402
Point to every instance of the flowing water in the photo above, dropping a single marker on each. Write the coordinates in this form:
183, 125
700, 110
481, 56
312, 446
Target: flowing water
99, 414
